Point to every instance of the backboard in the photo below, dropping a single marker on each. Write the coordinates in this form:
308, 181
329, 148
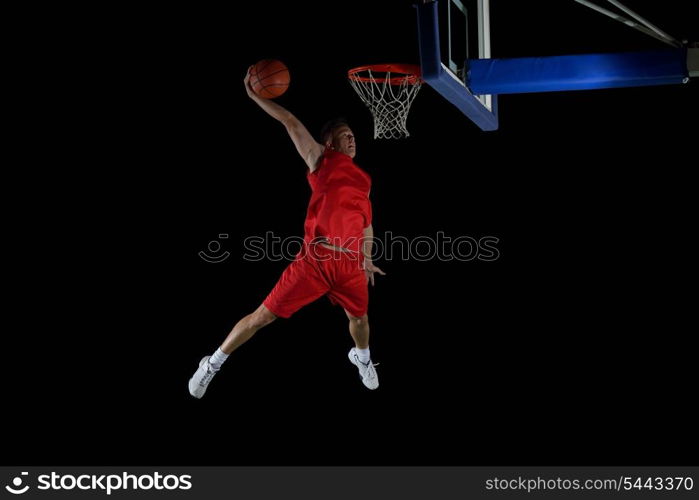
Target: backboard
450, 32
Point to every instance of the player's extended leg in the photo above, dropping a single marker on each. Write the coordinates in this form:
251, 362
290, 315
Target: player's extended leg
359, 355
246, 328
241, 333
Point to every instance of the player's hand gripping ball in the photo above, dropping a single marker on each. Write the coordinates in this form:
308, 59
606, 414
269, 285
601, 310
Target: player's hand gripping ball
269, 78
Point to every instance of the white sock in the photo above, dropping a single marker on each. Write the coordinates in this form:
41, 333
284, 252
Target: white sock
363, 354
217, 359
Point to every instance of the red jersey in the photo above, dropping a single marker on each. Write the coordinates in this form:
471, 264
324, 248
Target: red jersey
339, 209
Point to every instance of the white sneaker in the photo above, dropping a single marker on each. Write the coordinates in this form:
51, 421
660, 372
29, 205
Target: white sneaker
201, 378
367, 372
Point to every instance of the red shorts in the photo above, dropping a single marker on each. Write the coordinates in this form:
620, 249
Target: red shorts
318, 271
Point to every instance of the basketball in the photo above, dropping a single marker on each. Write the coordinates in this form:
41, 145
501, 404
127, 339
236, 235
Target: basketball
269, 78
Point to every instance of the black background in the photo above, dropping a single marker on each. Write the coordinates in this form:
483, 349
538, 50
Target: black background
572, 348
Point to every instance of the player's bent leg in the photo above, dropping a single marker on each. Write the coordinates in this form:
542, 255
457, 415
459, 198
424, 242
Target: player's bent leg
359, 355
242, 332
359, 329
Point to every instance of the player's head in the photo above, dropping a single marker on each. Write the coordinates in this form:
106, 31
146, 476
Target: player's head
337, 135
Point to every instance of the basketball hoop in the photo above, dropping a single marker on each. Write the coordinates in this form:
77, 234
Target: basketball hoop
388, 91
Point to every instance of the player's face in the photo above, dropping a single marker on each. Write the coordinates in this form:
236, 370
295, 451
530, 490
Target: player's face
343, 141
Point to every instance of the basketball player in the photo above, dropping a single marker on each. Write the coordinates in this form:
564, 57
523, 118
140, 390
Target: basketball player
336, 254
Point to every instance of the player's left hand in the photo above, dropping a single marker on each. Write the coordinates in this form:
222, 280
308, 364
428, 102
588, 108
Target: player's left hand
370, 269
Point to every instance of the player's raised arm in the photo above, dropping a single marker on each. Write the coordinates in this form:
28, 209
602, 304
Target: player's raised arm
305, 144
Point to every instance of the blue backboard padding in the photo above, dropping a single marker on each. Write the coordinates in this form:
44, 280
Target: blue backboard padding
455, 93
577, 72
438, 78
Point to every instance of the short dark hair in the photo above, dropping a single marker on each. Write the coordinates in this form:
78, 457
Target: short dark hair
330, 126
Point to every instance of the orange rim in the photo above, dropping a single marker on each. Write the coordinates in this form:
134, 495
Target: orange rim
409, 73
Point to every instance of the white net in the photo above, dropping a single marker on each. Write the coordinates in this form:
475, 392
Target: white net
388, 98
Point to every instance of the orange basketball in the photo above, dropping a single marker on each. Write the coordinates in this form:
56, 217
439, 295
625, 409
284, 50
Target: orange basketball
269, 78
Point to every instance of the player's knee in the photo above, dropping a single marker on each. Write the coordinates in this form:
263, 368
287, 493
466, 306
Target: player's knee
358, 320
262, 317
